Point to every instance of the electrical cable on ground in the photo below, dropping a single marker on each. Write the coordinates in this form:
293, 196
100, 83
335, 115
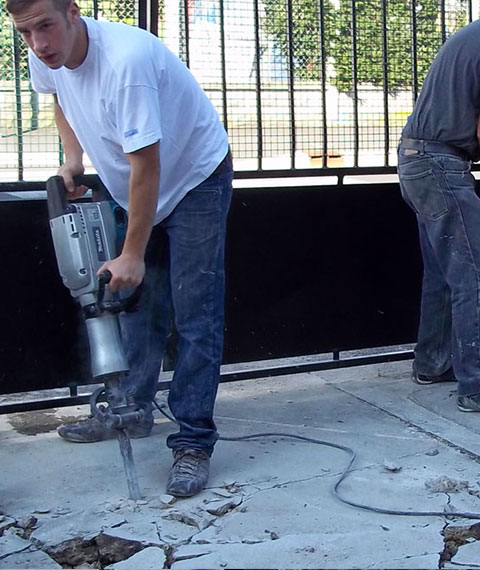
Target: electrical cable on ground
344, 474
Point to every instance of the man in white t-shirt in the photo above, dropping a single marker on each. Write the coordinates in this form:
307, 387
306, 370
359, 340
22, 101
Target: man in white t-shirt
157, 144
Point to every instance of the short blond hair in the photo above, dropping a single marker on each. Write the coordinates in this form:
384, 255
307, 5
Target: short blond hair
17, 6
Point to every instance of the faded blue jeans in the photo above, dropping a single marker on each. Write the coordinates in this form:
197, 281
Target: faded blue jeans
185, 280
436, 182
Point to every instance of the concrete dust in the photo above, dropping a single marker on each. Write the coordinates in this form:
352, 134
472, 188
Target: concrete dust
445, 484
34, 422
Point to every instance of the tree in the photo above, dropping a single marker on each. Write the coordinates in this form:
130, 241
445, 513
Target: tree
368, 43
306, 39
355, 41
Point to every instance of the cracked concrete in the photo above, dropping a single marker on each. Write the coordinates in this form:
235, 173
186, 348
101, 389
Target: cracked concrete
270, 502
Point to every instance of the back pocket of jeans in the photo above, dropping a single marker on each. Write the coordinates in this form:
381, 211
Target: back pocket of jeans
422, 191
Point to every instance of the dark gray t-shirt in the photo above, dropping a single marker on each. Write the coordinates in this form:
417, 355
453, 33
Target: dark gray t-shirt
449, 102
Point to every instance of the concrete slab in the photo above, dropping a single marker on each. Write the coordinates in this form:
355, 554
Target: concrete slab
270, 501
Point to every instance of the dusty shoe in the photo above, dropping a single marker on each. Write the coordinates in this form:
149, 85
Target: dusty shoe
189, 473
469, 403
91, 430
447, 376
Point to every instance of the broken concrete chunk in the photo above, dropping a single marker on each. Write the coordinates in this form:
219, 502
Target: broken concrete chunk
390, 466
6, 523
225, 507
41, 510
183, 518
167, 499
150, 558
445, 484
10, 543
222, 493
35, 559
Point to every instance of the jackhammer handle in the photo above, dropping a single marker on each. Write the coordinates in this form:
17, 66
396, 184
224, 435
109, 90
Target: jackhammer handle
127, 304
58, 204
92, 181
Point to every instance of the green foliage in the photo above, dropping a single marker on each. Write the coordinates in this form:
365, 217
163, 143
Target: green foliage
305, 32
367, 66
112, 10
6, 71
369, 42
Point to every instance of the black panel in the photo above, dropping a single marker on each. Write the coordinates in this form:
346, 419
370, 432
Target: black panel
315, 269
42, 337
309, 270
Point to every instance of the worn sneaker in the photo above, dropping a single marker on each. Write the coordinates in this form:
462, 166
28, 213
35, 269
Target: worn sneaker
92, 429
447, 376
469, 403
189, 472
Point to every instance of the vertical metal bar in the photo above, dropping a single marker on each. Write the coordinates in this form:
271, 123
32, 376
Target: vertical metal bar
60, 151
291, 80
223, 64
186, 30
154, 11
142, 14
469, 11
18, 101
443, 30
95, 9
413, 24
386, 121
258, 90
323, 80
355, 84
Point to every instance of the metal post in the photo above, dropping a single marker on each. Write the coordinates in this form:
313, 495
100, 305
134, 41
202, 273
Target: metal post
356, 143
291, 81
258, 90
18, 101
223, 64
413, 23
443, 21
386, 120
323, 79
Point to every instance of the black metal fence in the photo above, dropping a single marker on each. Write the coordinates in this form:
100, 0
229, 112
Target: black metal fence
298, 83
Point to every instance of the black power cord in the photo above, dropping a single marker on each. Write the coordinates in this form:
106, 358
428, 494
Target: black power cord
344, 474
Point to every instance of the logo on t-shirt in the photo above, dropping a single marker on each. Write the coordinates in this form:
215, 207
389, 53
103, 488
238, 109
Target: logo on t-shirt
130, 133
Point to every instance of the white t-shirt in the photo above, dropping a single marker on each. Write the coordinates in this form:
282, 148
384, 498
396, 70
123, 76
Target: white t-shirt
130, 92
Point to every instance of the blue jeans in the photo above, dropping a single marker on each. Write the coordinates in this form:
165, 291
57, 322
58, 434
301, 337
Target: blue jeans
437, 184
185, 280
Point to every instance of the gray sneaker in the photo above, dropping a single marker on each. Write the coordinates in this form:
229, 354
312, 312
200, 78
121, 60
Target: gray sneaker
469, 403
189, 473
91, 430
447, 376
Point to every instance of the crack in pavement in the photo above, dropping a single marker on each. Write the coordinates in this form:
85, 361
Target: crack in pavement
454, 538
472, 455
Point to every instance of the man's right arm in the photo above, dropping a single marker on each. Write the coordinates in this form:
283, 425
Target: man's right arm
73, 164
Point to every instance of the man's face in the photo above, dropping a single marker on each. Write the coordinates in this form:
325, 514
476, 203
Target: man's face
49, 32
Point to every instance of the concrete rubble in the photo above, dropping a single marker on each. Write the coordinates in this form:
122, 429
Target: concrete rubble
270, 502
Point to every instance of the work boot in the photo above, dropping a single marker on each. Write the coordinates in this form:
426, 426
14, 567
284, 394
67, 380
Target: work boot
92, 429
469, 403
447, 376
189, 472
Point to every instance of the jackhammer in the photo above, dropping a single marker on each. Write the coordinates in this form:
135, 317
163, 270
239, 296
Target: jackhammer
84, 238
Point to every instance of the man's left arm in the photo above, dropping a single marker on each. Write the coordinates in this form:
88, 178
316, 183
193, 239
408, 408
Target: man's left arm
128, 269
